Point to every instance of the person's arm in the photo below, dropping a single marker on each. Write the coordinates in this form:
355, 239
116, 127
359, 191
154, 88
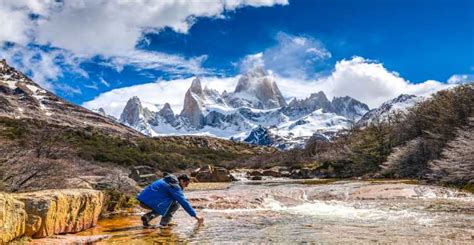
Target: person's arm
178, 195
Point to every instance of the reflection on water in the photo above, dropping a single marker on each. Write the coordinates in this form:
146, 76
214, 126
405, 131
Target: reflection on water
345, 211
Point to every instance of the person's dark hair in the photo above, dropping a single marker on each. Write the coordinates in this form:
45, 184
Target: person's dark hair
183, 177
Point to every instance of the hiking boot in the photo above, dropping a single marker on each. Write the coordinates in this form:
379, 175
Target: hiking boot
145, 220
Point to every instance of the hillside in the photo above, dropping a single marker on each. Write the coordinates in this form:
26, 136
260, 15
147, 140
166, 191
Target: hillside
46, 141
431, 141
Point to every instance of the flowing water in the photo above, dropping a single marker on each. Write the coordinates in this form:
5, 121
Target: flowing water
290, 212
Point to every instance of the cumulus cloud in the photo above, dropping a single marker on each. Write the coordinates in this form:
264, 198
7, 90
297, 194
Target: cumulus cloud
364, 80
110, 29
92, 27
292, 56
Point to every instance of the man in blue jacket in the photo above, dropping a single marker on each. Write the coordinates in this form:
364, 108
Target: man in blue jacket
163, 197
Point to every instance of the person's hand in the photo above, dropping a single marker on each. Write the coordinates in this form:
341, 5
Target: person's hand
199, 219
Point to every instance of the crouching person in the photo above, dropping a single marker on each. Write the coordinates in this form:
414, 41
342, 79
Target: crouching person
163, 197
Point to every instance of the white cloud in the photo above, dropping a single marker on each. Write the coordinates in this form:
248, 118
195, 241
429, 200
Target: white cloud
461, 79
172, 64
362, 79
102, 27
110, 29
292, 56
43, 66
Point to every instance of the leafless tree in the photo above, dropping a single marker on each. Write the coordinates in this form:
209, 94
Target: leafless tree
457, 163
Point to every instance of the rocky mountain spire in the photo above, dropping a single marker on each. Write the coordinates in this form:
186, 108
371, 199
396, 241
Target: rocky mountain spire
349, 107
167, 114
193, 102
134, 113
314, 102
257, 89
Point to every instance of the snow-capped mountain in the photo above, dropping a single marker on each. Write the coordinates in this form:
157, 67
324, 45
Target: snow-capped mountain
381, 113
256, 112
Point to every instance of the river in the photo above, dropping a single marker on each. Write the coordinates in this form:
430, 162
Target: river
287, 212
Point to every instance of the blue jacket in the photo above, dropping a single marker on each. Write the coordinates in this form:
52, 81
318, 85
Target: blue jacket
161, 193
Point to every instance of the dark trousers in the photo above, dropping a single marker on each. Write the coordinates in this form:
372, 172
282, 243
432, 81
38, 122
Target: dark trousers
165, 220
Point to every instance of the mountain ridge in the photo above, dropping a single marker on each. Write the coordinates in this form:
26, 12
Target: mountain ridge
256, 102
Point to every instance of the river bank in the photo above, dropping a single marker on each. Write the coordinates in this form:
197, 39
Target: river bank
289, 211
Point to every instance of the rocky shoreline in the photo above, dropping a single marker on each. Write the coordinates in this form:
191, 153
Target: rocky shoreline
43, 214
48, 212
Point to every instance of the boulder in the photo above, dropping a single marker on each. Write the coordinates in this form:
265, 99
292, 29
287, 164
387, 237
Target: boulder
143, 175
60, 211
303, 173
12, 218
255, 173
271, 172
212, 174
118, 190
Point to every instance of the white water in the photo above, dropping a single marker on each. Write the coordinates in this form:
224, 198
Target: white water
289, 212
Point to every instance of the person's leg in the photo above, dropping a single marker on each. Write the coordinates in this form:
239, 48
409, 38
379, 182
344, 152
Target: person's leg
146, 218
165, 220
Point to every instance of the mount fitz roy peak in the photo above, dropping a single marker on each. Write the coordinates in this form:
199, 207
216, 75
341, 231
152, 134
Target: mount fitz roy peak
255, 107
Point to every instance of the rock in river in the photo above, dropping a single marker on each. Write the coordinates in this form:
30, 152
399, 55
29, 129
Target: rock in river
12, 218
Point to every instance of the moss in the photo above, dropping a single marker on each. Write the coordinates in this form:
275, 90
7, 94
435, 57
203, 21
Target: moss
318, 181
468, 188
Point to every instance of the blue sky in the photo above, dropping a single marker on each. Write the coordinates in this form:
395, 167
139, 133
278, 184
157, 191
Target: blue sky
80, 54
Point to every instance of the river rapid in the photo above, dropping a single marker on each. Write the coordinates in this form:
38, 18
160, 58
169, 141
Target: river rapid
287, 212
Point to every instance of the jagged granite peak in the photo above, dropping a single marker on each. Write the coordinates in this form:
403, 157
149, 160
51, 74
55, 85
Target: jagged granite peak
399, 104
134, 113
349, 107
257, 89
193, 103
102, 111
213, 96
167, 114
196, 87
314, 102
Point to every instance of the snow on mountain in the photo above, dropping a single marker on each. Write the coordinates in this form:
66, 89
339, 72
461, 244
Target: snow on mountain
399, 104
256, 112
256, 89
349, 107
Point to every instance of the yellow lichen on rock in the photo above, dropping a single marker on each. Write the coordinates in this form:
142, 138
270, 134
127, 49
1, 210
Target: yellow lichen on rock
61, 211
12, 218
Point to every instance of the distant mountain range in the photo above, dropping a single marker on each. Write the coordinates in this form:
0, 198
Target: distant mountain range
255, 112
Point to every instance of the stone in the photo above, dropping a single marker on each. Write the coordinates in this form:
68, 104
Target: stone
256, 178
143, 175
271, 172
212, 174
303, 173
61, 211
12, 218
255, 173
